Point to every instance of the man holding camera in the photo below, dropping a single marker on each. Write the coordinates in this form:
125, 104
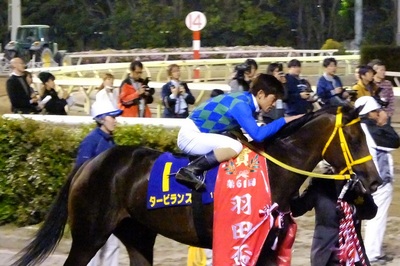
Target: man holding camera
135, 93
176, 95
299, 98
244, 73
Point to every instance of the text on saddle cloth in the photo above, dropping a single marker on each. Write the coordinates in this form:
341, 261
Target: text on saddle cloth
164, 191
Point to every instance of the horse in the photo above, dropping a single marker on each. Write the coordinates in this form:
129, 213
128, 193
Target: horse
107, 195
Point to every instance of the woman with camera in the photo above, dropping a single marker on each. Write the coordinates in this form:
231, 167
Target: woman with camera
244, 73
135, 94
176, 95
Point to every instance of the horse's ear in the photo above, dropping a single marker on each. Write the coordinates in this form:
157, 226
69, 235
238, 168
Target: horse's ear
359, 108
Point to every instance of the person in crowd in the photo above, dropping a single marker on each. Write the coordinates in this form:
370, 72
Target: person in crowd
23, 98
97, 141
329, 86
244, 74
52, 103
135, 94
322, 195
381, 140
276, 70
176, 95
108, 91
299, 93
201, 134
365, 85
386, 94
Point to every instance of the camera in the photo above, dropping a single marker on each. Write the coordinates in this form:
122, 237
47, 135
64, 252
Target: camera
241, 69
148, 89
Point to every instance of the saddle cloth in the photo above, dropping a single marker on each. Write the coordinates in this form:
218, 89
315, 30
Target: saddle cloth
165, 191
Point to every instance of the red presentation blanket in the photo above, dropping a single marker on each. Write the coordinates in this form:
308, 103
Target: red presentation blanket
242, 206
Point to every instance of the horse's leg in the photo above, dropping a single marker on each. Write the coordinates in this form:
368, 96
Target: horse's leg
138, 240
85, 245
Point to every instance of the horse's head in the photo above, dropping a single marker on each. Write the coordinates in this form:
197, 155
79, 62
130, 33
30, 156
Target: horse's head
333, 134
346, 149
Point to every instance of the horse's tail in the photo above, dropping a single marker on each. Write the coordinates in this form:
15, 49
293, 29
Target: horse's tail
51, 231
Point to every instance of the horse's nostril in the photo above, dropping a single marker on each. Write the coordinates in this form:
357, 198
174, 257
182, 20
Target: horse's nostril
374, 186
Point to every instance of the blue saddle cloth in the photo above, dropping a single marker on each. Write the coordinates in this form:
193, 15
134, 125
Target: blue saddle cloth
165, 191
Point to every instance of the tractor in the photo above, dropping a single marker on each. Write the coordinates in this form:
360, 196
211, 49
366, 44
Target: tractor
34, 45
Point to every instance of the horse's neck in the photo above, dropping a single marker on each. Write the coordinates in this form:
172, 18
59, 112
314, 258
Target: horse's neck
301, 152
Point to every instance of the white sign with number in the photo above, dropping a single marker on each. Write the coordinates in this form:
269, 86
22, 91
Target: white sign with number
195, 21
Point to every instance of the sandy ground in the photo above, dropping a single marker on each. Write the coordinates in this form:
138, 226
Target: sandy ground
169, 253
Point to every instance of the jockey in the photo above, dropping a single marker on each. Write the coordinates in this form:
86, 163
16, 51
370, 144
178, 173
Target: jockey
201, 135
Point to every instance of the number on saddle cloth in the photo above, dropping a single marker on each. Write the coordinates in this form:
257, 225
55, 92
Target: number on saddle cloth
164, 191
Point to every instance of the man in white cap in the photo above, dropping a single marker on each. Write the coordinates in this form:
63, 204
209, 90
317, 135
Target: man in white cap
381, 139
97, 141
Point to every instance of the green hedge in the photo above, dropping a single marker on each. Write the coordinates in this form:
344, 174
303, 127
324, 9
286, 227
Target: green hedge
36, 157
390, 55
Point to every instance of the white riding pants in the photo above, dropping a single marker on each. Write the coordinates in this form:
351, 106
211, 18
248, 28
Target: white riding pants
194, 142
375, 228
108, 254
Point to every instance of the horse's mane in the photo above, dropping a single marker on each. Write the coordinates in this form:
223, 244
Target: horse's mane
349, 113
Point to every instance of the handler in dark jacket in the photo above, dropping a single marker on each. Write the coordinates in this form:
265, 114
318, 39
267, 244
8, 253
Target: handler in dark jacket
97, 141
322, 195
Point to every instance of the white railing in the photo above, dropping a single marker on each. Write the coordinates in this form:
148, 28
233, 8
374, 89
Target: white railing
79, 57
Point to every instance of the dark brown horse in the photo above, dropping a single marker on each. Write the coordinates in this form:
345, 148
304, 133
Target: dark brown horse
107, 195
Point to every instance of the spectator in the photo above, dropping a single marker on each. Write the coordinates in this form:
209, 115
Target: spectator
201, 135
299, 98
135, 94
107, 91
244, 74
276, 70
329, 86
23, 99
381, 139
53, 104
365, 85
322, 195
96, 142
176, 95
385, 87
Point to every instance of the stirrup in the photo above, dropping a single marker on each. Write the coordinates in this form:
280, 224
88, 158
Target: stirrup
187, 178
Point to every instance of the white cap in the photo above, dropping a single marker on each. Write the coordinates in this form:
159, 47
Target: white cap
369, 104
104, 108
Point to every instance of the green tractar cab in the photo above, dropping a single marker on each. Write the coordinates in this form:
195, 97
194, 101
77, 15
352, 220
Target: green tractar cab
35, 45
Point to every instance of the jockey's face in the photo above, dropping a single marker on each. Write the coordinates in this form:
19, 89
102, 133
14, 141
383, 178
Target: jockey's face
109, 123
265, 102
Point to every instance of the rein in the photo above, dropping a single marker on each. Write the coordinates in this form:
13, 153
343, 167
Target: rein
343, 144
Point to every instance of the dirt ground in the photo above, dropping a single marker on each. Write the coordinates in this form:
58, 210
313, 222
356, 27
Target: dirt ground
169, 253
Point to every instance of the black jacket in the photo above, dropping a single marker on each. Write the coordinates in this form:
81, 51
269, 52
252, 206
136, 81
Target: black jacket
19, 94
169, 104
56, 105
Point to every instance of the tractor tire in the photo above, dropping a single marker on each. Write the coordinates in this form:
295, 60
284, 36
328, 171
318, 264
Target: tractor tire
59, 59
10, 54
44, 56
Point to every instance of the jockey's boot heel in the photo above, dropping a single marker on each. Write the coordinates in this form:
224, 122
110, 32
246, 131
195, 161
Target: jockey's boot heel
192, 175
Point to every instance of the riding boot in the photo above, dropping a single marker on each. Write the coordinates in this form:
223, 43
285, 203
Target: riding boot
192, 175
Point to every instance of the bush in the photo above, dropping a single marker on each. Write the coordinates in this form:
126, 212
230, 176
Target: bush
390, 55
332, 44
36, 157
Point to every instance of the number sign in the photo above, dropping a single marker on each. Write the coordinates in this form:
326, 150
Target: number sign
195, 21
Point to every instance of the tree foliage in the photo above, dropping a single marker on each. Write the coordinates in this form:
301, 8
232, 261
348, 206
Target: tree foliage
125, 24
